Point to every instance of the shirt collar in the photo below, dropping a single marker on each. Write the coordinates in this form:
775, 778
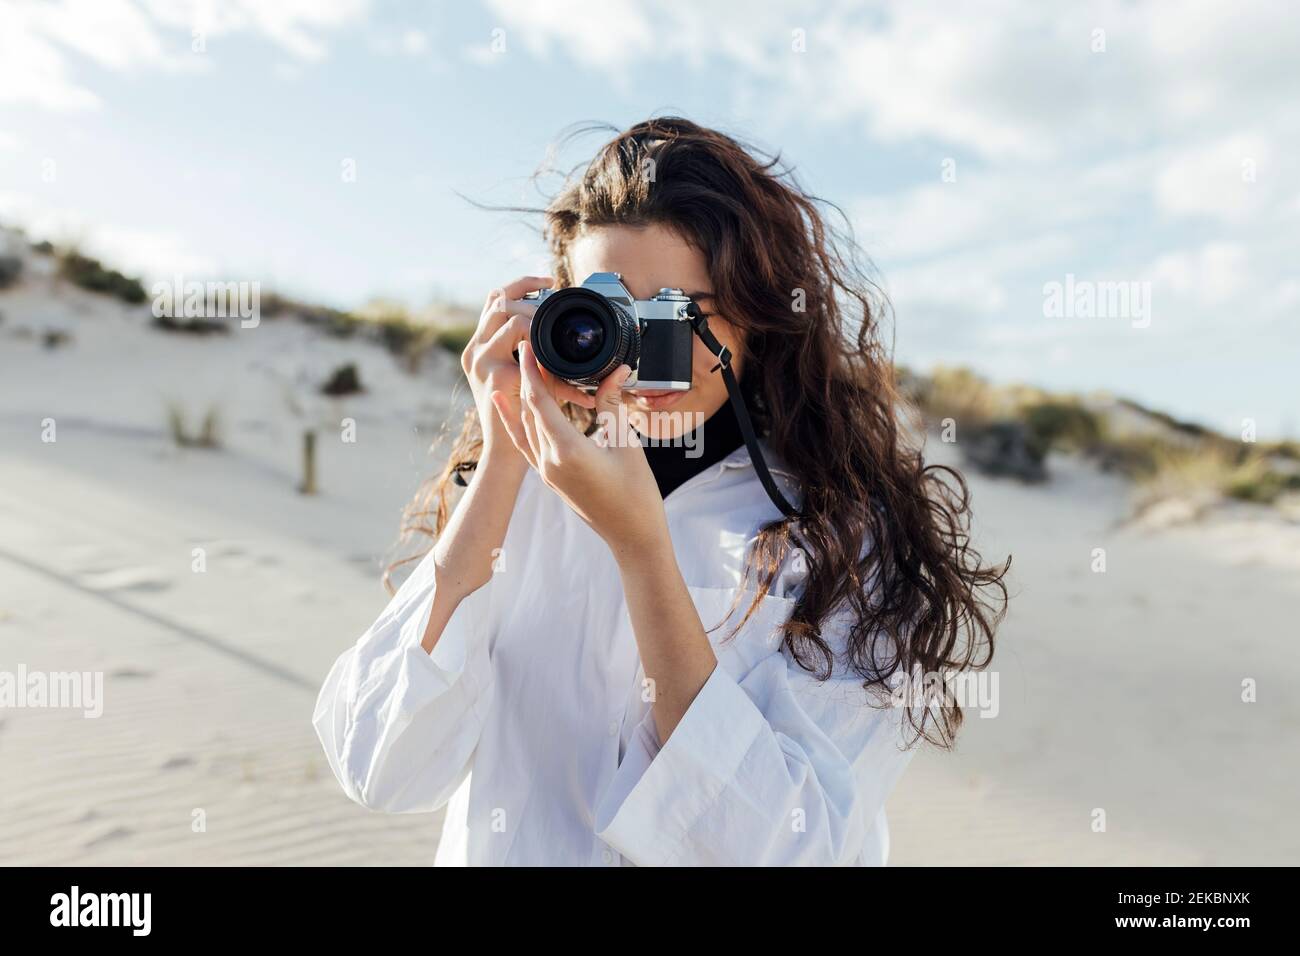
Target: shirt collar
740, 459
737, 459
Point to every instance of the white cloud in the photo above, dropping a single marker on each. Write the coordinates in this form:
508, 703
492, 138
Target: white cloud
1001, 78
989, 205
1213, 274
1230, 179
617, 35
414, 42
621, 31
972, 290
40, 42
32, 69
153, 254
292, 24
1285, 297
408, 42
115, 34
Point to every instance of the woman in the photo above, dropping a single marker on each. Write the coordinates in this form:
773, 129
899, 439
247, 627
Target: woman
626, 655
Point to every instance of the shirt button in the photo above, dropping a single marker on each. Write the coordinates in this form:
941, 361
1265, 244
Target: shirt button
607, 855
613, 728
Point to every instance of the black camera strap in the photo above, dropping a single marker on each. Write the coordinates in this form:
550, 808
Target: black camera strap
701, 326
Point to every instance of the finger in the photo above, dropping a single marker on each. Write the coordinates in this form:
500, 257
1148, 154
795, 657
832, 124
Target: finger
490, 319
537, 396
513, 330
528, 406
560, 389
609, 404
514, 290
497, 311
508, 411
529, 423
507, 338
610, 392
504, 342
499, 305
565, 392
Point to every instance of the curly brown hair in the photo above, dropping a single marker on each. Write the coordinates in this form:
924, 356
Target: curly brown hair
885, 536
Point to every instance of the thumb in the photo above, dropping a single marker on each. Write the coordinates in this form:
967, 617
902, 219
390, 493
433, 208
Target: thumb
609, 395
609, 407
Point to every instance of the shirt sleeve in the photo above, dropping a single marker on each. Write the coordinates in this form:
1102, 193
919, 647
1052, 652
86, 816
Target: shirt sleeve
399, 725
770, 768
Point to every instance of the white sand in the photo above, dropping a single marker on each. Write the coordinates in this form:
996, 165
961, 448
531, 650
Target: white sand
1119, 690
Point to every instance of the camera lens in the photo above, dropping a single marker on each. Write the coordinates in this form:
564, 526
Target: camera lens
581, 336
578, 336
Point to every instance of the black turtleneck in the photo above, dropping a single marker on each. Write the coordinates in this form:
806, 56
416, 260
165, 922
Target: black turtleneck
671, 460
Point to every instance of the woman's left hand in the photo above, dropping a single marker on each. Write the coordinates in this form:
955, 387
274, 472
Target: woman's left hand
609, 484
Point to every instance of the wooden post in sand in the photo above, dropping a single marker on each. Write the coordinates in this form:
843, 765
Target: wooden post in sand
308, 486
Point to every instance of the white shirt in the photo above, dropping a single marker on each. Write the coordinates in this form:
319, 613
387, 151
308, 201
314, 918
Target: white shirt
530, 719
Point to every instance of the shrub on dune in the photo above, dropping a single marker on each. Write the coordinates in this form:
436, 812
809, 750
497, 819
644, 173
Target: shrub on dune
207, 435
191, 326
1009, 431
344, 380
11, 269
93, 276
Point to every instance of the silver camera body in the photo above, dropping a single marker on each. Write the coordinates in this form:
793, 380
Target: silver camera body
583, 333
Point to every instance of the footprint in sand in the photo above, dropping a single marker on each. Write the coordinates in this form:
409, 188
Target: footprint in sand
227, 549
108, 836
130, 673
175, 763
126, 579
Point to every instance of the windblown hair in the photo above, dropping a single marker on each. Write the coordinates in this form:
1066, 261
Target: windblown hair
885, 537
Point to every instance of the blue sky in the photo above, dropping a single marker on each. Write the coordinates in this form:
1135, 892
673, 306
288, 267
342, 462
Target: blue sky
981, 151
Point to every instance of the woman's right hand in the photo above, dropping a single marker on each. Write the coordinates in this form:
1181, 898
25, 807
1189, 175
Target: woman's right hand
491, 365
465, 553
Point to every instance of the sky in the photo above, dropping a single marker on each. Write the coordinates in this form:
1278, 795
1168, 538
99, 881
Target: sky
986, 154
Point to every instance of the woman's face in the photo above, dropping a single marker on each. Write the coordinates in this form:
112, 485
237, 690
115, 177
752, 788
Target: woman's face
650, 258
